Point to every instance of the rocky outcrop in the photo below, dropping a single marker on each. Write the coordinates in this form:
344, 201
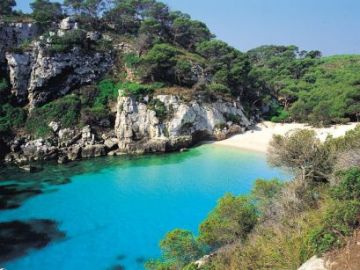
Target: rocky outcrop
19, 65
14, 34
55, 75
64, 145
37, 76
139, 129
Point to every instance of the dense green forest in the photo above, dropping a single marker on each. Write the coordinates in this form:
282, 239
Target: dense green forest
279, 83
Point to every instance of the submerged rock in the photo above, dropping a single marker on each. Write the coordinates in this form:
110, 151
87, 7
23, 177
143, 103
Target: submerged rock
19, 237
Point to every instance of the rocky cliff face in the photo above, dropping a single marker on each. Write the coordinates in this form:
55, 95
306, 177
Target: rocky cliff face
37, 76
139, 128
14, 34
157, 123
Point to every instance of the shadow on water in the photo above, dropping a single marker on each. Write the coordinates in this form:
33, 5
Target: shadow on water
17, 238
16, 186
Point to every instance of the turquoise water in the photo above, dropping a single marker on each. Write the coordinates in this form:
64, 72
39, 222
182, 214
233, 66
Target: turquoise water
115, 210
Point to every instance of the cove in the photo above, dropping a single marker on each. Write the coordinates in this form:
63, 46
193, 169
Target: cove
113, 211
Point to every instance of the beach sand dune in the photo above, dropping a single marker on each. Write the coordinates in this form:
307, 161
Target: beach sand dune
258, 138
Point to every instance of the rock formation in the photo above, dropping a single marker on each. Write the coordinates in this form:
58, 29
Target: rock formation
37, 76
139, 129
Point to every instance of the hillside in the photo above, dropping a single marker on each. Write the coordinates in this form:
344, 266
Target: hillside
60, 78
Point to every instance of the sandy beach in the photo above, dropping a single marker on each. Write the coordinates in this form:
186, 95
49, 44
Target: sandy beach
259, 137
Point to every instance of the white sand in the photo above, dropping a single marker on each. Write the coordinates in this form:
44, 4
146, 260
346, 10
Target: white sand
259, 137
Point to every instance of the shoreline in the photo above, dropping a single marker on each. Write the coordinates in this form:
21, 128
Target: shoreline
258, 138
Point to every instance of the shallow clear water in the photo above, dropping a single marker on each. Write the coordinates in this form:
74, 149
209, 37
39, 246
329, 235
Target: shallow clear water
115, 210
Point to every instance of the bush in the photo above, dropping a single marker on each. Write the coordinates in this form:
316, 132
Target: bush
131, 59
219, 88
232, 219
349, 187
322, 240
264, 191
281, 117
180, 247
341, 217
137, 90
65, 110
108, 90
11, 117
65, 43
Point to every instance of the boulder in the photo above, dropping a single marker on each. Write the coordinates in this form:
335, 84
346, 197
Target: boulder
95, 150
55, 126
314, 263
69, 23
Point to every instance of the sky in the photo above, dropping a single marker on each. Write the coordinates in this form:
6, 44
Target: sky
331, 26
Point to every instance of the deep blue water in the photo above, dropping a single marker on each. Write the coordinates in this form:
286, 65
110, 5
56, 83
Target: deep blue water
115, 210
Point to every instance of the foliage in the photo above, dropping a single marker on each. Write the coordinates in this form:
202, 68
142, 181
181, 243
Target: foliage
65, 110
282, 116
309, 88
11, 117
228, 66
131, 59
6, 6
45, 11
264, 191
332, 96
160, 62
66, 42
219, 88
91, 8
340, 219
349, 187
232, 219
302, 152
180, 248
107, 91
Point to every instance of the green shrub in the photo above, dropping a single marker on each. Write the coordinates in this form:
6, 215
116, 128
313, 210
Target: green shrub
61, 44
65, 110
219, 88
281, 117
349, 187
322, 240
102, 45
232, 219
340, 218
11, 117
264, 191
180, 247
107, 91
136, 89
131, 59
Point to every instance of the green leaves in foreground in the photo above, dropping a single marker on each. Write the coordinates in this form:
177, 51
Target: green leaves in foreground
232, 219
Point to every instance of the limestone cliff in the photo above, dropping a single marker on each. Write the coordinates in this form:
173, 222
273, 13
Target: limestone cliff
139, 128
37, 76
